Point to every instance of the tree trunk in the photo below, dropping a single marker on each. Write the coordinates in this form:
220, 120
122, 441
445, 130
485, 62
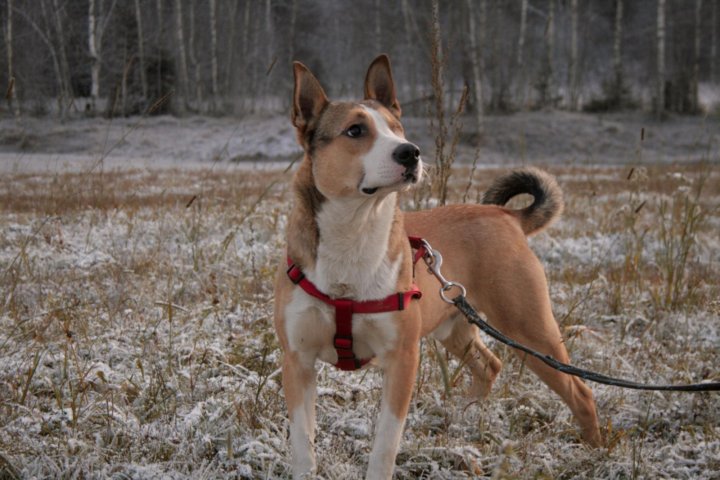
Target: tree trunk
141, 50
65, 96
409, 40
183, 90
11, 96
229, 63
714, 40
547, 82
97, 20
213, 55
574, 94
618, 80
161, 37
521, 52
475, 60
523, 30
45, 36
378, 27
695, 100
193, 58
93, 49
660, 73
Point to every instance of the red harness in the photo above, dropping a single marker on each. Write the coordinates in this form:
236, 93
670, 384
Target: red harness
345, 307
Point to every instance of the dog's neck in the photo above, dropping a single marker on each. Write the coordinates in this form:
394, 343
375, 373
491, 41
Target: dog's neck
350, 248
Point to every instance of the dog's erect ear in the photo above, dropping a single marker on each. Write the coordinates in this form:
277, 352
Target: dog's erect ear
309, 98
379, 84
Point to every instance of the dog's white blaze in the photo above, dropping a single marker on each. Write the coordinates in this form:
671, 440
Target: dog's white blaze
388, 434
380, 168
352, 258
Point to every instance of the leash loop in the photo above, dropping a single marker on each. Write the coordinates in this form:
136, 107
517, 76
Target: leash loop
450, 286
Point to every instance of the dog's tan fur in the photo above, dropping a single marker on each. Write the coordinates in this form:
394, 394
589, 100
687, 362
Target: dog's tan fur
484, 247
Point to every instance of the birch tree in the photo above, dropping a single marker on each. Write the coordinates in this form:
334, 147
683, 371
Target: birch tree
97, 21
182, 102
573, 55
660, 72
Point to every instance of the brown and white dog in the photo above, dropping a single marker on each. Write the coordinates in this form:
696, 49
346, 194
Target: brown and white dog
349, 239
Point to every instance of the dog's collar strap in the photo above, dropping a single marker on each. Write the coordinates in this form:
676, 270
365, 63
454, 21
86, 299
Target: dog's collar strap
345, 308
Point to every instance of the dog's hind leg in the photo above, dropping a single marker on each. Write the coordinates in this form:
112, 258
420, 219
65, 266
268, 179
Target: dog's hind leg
531, 323
572, 390
299, 385
463, 340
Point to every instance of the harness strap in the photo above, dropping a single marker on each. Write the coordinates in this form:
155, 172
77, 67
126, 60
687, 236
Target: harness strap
345, 308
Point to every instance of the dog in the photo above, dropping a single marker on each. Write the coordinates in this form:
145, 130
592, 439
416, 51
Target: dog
348, 257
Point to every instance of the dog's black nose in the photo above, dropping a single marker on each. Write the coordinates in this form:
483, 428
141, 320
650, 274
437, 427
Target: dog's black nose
407, 155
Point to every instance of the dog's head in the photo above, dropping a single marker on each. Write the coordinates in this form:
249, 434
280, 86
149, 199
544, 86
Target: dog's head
357, 149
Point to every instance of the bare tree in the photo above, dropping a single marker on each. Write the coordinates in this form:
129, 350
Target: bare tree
523, 29
182, 59
475, 61
97, 21
11, 95
695, 101
230, 60
213, 54
197, 80
546, 83
660, 72
141, 50
44, 36
59, 46
714, 42
618, 84
574, 55
521, 50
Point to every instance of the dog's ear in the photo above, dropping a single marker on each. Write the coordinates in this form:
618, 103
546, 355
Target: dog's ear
309, 98
379, 84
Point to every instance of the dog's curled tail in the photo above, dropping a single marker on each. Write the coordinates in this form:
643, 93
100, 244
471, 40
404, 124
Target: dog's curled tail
548, 201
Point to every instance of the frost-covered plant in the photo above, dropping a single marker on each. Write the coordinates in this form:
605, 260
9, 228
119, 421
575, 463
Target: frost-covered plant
680, 219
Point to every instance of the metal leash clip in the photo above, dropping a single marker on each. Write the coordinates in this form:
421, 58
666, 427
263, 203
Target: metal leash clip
433, 259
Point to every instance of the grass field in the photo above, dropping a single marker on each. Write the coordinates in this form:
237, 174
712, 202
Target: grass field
136, 335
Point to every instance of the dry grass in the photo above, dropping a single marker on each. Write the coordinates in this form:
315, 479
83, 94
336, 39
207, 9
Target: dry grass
136, 338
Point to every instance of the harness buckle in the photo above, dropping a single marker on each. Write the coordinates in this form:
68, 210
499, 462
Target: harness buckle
295, 274
342, 342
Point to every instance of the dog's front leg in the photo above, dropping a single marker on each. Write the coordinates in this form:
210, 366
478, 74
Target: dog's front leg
398, 380
299, 384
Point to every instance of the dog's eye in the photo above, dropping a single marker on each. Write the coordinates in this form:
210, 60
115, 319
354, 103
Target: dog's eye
354, 131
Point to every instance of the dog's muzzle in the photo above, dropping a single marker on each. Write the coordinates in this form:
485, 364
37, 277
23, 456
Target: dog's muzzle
408, 155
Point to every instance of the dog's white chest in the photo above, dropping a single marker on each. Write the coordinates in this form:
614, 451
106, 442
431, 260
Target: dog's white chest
310, 326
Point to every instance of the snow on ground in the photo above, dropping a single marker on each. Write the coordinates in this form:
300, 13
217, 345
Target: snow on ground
136, 304
536, 137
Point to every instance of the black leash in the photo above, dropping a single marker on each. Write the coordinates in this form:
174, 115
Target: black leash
473, 317
433, 259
